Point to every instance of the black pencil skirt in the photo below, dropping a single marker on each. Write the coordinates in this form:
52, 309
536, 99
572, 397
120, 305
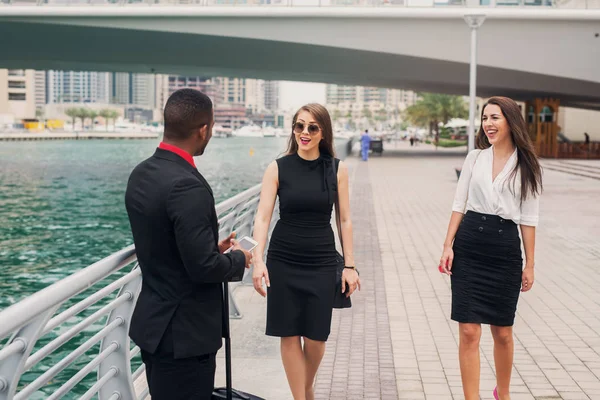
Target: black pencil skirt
486, 271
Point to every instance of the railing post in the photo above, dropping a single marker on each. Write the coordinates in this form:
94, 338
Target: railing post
11, 368
122, 383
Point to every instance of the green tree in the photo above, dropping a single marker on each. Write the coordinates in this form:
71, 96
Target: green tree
72, 113
39, 113
106, 114
367, 113
82, 114
382, 115
432, 109
419, 115
114, 114
93, 114
336, 115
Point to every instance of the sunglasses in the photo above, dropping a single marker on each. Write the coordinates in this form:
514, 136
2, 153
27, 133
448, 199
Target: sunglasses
312, 128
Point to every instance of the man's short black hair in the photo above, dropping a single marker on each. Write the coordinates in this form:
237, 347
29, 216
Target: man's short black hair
186, 111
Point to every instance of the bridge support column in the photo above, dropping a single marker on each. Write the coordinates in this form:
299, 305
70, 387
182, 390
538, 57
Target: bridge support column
474, 21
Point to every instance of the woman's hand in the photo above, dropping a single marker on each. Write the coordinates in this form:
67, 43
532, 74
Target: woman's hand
527, 279
350, 277
445, 266
260, 272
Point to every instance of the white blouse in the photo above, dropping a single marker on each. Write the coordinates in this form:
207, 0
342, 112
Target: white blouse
502, 197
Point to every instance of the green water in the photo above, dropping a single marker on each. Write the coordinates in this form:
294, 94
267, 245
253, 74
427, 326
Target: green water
62, 208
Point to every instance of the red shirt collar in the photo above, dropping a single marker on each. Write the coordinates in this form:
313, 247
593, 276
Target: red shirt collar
181, 153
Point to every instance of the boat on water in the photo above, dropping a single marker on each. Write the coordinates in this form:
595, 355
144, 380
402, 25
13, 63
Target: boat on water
220, 132
270, 131
249, 131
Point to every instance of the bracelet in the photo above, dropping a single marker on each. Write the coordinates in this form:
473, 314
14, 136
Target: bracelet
352, 267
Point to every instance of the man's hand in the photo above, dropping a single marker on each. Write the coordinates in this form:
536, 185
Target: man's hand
226, 243
247, 254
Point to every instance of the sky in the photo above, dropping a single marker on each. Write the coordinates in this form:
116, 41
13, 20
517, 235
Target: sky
293, 95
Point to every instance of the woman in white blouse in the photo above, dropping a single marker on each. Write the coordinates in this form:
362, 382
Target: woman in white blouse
497, 192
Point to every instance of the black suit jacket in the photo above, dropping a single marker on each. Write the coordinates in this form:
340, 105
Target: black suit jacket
172, 214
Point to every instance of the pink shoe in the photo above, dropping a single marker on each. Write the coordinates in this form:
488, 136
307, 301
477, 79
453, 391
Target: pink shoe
496, 393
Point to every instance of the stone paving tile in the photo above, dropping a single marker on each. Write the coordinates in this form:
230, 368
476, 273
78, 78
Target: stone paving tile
359, 362
398, 342
557, 329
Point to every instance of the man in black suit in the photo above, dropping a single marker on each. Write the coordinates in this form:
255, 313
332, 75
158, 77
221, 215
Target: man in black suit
177, 321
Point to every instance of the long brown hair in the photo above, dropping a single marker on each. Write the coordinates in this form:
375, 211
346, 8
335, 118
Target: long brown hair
527, 161
322, 118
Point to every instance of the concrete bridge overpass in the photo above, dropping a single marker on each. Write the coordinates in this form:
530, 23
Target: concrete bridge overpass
523, 52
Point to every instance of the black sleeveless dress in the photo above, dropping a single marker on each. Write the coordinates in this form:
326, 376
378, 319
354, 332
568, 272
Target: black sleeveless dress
302, 257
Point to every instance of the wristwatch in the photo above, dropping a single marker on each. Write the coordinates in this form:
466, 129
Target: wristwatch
352, 267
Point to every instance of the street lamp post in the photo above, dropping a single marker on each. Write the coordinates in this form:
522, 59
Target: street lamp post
474, 21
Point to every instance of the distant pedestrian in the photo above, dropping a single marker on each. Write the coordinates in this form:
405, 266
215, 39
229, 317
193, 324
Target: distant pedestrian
365, 144
587, 138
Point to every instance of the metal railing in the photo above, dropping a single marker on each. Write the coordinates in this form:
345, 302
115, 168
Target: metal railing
562, 4
34, 329
56, 338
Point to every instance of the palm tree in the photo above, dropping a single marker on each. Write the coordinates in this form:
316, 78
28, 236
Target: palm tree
114, 114
106, 114
419, 115
82, 114
39, 113
92, 114
431, 109
72, 113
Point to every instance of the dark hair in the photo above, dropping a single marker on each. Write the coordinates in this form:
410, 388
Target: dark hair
527, 161
186, 110
322, 118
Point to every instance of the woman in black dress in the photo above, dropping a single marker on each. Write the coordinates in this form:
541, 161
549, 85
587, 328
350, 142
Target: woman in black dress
300, 272
499, 189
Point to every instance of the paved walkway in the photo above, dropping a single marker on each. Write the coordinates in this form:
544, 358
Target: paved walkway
397, 342
557, 349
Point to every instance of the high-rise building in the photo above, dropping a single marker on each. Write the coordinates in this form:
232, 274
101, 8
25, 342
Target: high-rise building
233, 98
234, 90
143, 89
336, 94
340, 94
161, 89
271, 90
133, 89
17, 93
255, 95
119, 88
76, 87
40, 89
373, 95
208, 85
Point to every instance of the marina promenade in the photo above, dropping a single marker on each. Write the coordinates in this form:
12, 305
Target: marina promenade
398, 342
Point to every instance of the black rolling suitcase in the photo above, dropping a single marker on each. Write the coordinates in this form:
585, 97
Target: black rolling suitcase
228, 392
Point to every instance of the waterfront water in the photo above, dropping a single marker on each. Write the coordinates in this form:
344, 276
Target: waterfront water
62, 208
62, 205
